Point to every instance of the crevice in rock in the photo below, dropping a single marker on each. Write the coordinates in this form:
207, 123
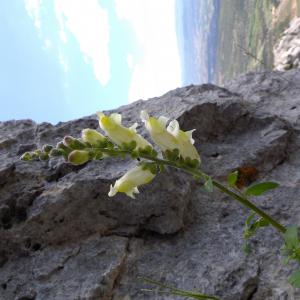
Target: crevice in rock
251, 286
253, 292
14, 208
113, 278
121, 269
60, 267
6, 173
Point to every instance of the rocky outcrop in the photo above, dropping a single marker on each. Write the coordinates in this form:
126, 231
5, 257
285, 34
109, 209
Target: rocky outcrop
63, 238
287, 50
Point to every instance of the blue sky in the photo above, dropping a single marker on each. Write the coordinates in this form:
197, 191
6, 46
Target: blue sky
64, 59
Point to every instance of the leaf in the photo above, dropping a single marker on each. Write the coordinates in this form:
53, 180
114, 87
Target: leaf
251, 225
232, 178
249, 219
291, 237
294, 279
208, 185
263, 222
175, 291
260, 188
246, 248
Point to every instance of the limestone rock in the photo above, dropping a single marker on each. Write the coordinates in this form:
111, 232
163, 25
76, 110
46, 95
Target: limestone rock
62, 237
287, 49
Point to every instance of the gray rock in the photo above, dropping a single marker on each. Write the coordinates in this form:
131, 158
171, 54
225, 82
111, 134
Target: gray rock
62, 237
287, 50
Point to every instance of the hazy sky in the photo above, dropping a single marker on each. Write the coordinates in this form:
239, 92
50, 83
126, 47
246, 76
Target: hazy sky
63, 59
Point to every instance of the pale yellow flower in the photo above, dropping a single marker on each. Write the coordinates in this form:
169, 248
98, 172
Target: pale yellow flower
158, 132
129, 182
112, 125
185, 141
92, 136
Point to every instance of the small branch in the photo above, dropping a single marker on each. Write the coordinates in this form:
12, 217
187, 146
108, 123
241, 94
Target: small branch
238, 197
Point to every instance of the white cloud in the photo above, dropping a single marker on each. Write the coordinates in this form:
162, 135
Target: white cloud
130, 61
63, 36
89, 24
33, 9
63, 61
47, 44
154, 24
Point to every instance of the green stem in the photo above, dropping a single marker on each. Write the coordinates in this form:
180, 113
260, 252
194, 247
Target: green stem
244, 201
238, 197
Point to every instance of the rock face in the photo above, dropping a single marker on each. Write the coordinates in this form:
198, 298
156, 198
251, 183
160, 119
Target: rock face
287, 50
63, 238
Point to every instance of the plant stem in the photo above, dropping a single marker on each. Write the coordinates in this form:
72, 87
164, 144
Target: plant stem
196, 172
244, 201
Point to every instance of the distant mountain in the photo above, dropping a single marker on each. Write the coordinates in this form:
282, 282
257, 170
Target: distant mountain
220, 39
197, 33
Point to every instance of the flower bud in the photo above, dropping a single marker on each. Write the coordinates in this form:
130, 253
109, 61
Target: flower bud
129, 182
79, 157
26, 156
47, 148
65, 150
55, 152
73, 143
112, 125
92, 136
44, 156
61, 146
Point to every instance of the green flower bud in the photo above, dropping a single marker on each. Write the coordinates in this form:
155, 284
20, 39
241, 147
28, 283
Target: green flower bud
79, 157
44, 156
92, 137
47, 148
36, 152
73, 143
26, 156
55, 152
98, 155
61, 146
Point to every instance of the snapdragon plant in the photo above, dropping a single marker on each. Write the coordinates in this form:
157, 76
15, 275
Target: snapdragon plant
177, 151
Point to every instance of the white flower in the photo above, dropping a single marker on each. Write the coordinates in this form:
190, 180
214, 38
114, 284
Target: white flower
158, 131
112, 125
185, 141
129, 182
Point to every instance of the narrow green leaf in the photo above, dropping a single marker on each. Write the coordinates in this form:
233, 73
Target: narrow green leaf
162, 168
232, 178
294, 279
252, 225
291, 237
208, 185
246, 248
260, 188
249, 219
175, 291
